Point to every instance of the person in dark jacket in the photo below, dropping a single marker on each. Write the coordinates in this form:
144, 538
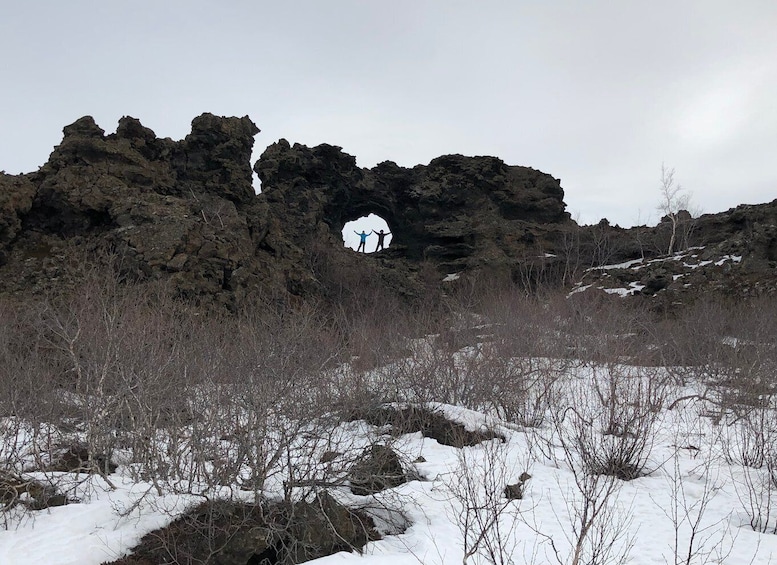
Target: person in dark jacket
381, 236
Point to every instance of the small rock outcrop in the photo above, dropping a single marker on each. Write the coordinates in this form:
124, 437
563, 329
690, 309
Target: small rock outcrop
231, 533
35, 495
378, 468
732, 254
431, 423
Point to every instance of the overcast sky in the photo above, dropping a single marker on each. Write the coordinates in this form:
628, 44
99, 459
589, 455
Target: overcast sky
596, 93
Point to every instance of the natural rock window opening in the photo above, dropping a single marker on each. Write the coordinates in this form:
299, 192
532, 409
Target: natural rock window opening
369, 224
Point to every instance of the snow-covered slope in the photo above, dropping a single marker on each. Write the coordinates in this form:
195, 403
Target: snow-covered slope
694, 501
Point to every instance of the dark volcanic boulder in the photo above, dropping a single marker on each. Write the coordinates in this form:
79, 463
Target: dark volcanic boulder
232, 533
378, 468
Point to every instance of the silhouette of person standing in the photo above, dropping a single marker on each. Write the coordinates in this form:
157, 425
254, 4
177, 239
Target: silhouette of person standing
381, 236
363, 241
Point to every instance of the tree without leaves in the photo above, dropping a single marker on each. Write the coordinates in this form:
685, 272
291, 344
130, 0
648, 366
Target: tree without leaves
674, 199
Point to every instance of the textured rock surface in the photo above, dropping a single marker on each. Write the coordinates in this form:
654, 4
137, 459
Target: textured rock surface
731, 254
185, 212
16, 194
458, 211
455, 214
182, 211
230, 533
379, 468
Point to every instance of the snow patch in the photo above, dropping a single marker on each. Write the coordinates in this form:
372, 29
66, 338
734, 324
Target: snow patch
581, 288
634, 287
625, 265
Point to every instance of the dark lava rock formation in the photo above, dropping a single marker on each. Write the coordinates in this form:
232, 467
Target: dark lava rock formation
457, 211
229, 533
185, 212
732, 254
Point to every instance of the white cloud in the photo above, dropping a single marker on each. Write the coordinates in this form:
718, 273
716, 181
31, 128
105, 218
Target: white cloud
719, 108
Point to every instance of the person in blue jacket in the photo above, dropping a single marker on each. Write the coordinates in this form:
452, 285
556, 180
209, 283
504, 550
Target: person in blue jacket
364, 235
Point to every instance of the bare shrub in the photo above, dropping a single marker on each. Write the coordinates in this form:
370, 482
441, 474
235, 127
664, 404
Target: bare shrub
595, 530
86, 335
200, 404
35, 430
602, 330
606, 424
436, 372
188, 402
673, 203
26, 388
489, 348
250, 389
728, 351
750, 443
570, 253
599, 533
692, 339
485, 508
601, 429
432, 355
502, 357
524, 357
696, 539
758, 495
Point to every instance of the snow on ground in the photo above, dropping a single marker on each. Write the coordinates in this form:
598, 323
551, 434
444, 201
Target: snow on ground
100, 529
579, 288
633, 288
688, 479
625, 265
688, 260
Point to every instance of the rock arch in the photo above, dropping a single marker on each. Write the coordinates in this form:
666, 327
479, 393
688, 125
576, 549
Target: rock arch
452, 211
